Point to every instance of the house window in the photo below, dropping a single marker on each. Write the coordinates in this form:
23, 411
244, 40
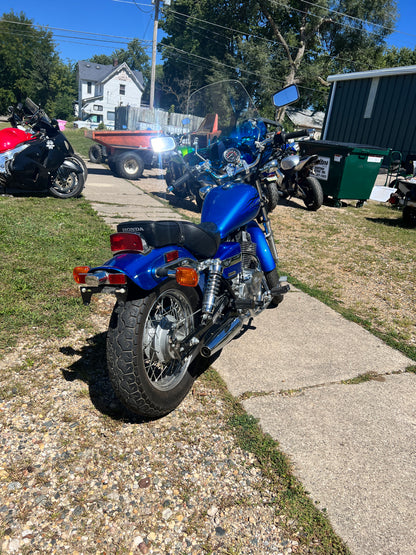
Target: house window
89, 87
111, 116
122, 89
98, 108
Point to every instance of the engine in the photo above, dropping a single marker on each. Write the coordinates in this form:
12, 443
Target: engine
250, 282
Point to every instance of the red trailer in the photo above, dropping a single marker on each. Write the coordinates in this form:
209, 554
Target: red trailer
126, 152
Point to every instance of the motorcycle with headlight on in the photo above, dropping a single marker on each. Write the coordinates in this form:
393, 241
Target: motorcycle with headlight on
185, 290
36, 157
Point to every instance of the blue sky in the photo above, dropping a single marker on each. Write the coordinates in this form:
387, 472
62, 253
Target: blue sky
122, 20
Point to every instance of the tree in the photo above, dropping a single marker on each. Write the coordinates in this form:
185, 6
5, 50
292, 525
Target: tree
193, 50
271, 44
134, 56
27, 61
395, 57
63, 89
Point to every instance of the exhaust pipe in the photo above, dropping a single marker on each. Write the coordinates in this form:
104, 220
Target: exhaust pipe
217, 339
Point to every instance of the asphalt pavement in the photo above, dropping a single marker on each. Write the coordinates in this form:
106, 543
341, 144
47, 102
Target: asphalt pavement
353, 445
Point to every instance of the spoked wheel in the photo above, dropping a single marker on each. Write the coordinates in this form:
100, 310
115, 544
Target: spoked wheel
67, 183
313, 195
149, 372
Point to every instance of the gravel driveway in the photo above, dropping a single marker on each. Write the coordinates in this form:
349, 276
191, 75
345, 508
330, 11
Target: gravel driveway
79, 475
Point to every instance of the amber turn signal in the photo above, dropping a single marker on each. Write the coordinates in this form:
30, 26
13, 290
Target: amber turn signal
79, 274
187, 276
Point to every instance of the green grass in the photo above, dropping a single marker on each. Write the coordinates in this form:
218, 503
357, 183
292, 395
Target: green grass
42, 239
79, 142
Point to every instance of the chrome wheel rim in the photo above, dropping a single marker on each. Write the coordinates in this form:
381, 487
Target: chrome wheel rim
168, 322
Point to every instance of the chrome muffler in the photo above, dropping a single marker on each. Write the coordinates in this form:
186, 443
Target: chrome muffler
217, 339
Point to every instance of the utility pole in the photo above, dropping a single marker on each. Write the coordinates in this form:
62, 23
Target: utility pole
154, 48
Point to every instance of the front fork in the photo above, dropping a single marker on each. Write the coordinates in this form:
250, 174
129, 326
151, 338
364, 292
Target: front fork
265, 220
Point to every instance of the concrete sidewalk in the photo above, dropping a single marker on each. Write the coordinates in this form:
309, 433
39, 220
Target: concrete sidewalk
352, 445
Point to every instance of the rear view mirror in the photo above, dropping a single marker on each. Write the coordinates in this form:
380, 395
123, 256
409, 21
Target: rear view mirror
286, 96
163, 144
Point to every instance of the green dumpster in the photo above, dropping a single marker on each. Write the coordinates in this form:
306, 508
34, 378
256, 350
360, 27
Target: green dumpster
345, 170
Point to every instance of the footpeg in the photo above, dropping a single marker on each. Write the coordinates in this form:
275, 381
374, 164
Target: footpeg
280, 290
244, 304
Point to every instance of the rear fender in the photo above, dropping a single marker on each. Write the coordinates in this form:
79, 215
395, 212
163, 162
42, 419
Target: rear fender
141, 268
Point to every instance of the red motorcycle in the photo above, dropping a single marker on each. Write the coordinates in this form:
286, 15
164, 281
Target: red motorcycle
36, 157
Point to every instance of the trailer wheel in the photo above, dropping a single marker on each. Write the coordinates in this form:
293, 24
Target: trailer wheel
95, 154
129, 165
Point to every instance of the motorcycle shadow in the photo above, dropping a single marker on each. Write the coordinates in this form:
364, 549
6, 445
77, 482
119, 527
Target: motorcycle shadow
390, 222
292, 203
91, 369
24, 194
177, 202
99, 170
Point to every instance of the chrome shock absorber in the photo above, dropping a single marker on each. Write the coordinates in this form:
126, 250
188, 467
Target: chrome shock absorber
212, 287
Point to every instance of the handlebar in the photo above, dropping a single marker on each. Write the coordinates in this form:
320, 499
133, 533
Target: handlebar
277, 139
295, 135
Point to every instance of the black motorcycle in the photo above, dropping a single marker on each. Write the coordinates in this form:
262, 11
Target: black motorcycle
294, 174
36, 157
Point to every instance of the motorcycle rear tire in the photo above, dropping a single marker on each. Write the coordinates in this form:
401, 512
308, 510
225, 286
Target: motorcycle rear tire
314, 195
147, 378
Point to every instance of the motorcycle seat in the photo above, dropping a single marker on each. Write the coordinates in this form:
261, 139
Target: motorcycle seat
202, 240
306, 160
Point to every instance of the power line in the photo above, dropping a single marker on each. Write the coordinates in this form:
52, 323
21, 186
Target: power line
129, 39
90, 39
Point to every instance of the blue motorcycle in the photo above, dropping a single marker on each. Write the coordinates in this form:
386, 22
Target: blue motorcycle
185, 290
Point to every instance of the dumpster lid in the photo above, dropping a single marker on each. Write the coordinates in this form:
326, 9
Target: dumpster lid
354, 147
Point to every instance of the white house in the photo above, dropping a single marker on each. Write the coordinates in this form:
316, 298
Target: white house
101, 88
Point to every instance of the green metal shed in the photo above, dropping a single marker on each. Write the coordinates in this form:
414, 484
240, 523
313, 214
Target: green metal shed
374, 108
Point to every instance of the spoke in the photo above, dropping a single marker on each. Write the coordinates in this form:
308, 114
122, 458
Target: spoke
170, 319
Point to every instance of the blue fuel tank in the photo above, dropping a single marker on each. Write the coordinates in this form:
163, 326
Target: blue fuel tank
230, 207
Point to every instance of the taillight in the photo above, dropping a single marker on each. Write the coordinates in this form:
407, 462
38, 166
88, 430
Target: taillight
79, 274
126, 242
187, 276
116, 279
